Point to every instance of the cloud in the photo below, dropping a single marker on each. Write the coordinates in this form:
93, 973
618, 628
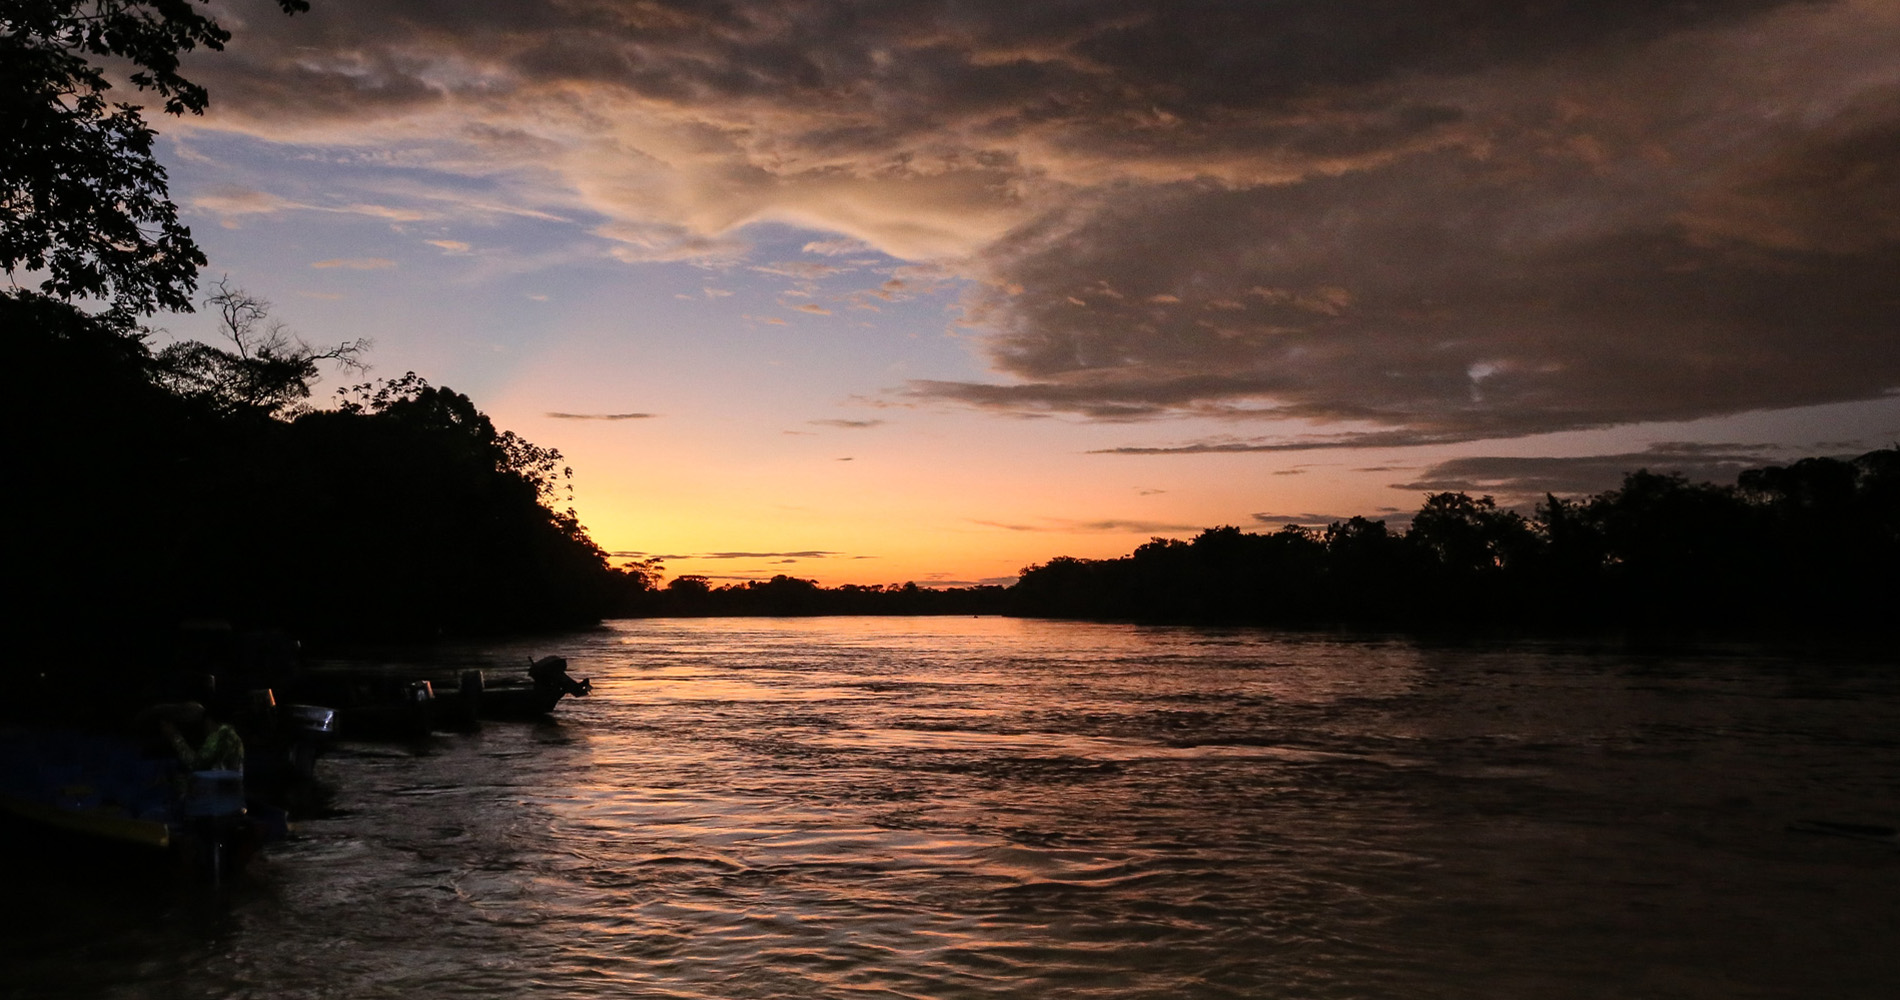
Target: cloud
848, 424
1309, 442
449, 246
837, 247
386, 212
1302, 520
805, 270
601, 416
1106, 526
780, 557
355, 263
807, 554
231, 203
1522, 481
812, 307
1404, 222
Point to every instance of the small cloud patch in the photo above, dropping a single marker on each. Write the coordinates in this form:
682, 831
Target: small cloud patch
1111, 525
836, 247
1303, 520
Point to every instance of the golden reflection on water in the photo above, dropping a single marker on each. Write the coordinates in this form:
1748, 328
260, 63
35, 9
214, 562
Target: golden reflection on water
951, 808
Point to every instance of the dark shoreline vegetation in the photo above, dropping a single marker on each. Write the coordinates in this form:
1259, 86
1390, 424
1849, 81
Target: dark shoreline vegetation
1810, 547
196, 483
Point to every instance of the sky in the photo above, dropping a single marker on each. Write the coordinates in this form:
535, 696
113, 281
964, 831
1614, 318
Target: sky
874, 292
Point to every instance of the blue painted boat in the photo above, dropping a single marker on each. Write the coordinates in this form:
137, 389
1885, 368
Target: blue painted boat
93, 784
105, 790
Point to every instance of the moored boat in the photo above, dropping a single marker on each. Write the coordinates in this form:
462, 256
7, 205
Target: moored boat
369, 705
533, 696
106, 790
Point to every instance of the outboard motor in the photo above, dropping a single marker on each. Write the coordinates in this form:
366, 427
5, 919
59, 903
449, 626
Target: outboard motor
468, 703
308, 728
313, 719
550, 674
420, 696
214, 808
259, 714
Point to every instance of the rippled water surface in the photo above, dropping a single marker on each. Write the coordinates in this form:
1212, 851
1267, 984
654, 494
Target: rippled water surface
985, 807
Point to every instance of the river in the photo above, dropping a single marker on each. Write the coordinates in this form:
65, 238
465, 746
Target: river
991, 807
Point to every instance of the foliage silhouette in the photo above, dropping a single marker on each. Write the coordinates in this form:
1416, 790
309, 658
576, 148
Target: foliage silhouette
402, 513
83, 202
1811, 544
783, 596
269, 372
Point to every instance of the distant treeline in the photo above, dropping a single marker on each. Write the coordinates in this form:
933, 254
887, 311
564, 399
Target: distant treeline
1812, 545
694, 596
1815, 544
151, 488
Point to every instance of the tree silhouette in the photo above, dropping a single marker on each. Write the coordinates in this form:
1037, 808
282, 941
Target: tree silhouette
83, 202
268, 373
1814, 543
688, 586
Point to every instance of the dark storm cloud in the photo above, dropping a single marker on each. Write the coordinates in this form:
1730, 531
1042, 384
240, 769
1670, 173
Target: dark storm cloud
927, 58
1338, 300
1524, 480
1402, 222
1314, 442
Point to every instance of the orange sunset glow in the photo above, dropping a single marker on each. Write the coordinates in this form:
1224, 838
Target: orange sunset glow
951, 499
869, 293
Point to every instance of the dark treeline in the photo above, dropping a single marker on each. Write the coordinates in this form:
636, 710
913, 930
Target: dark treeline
695, 596
1815, 544
1812, 544
156, 487
196, 482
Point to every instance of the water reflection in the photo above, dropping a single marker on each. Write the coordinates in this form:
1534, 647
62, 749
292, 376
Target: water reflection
974, 808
